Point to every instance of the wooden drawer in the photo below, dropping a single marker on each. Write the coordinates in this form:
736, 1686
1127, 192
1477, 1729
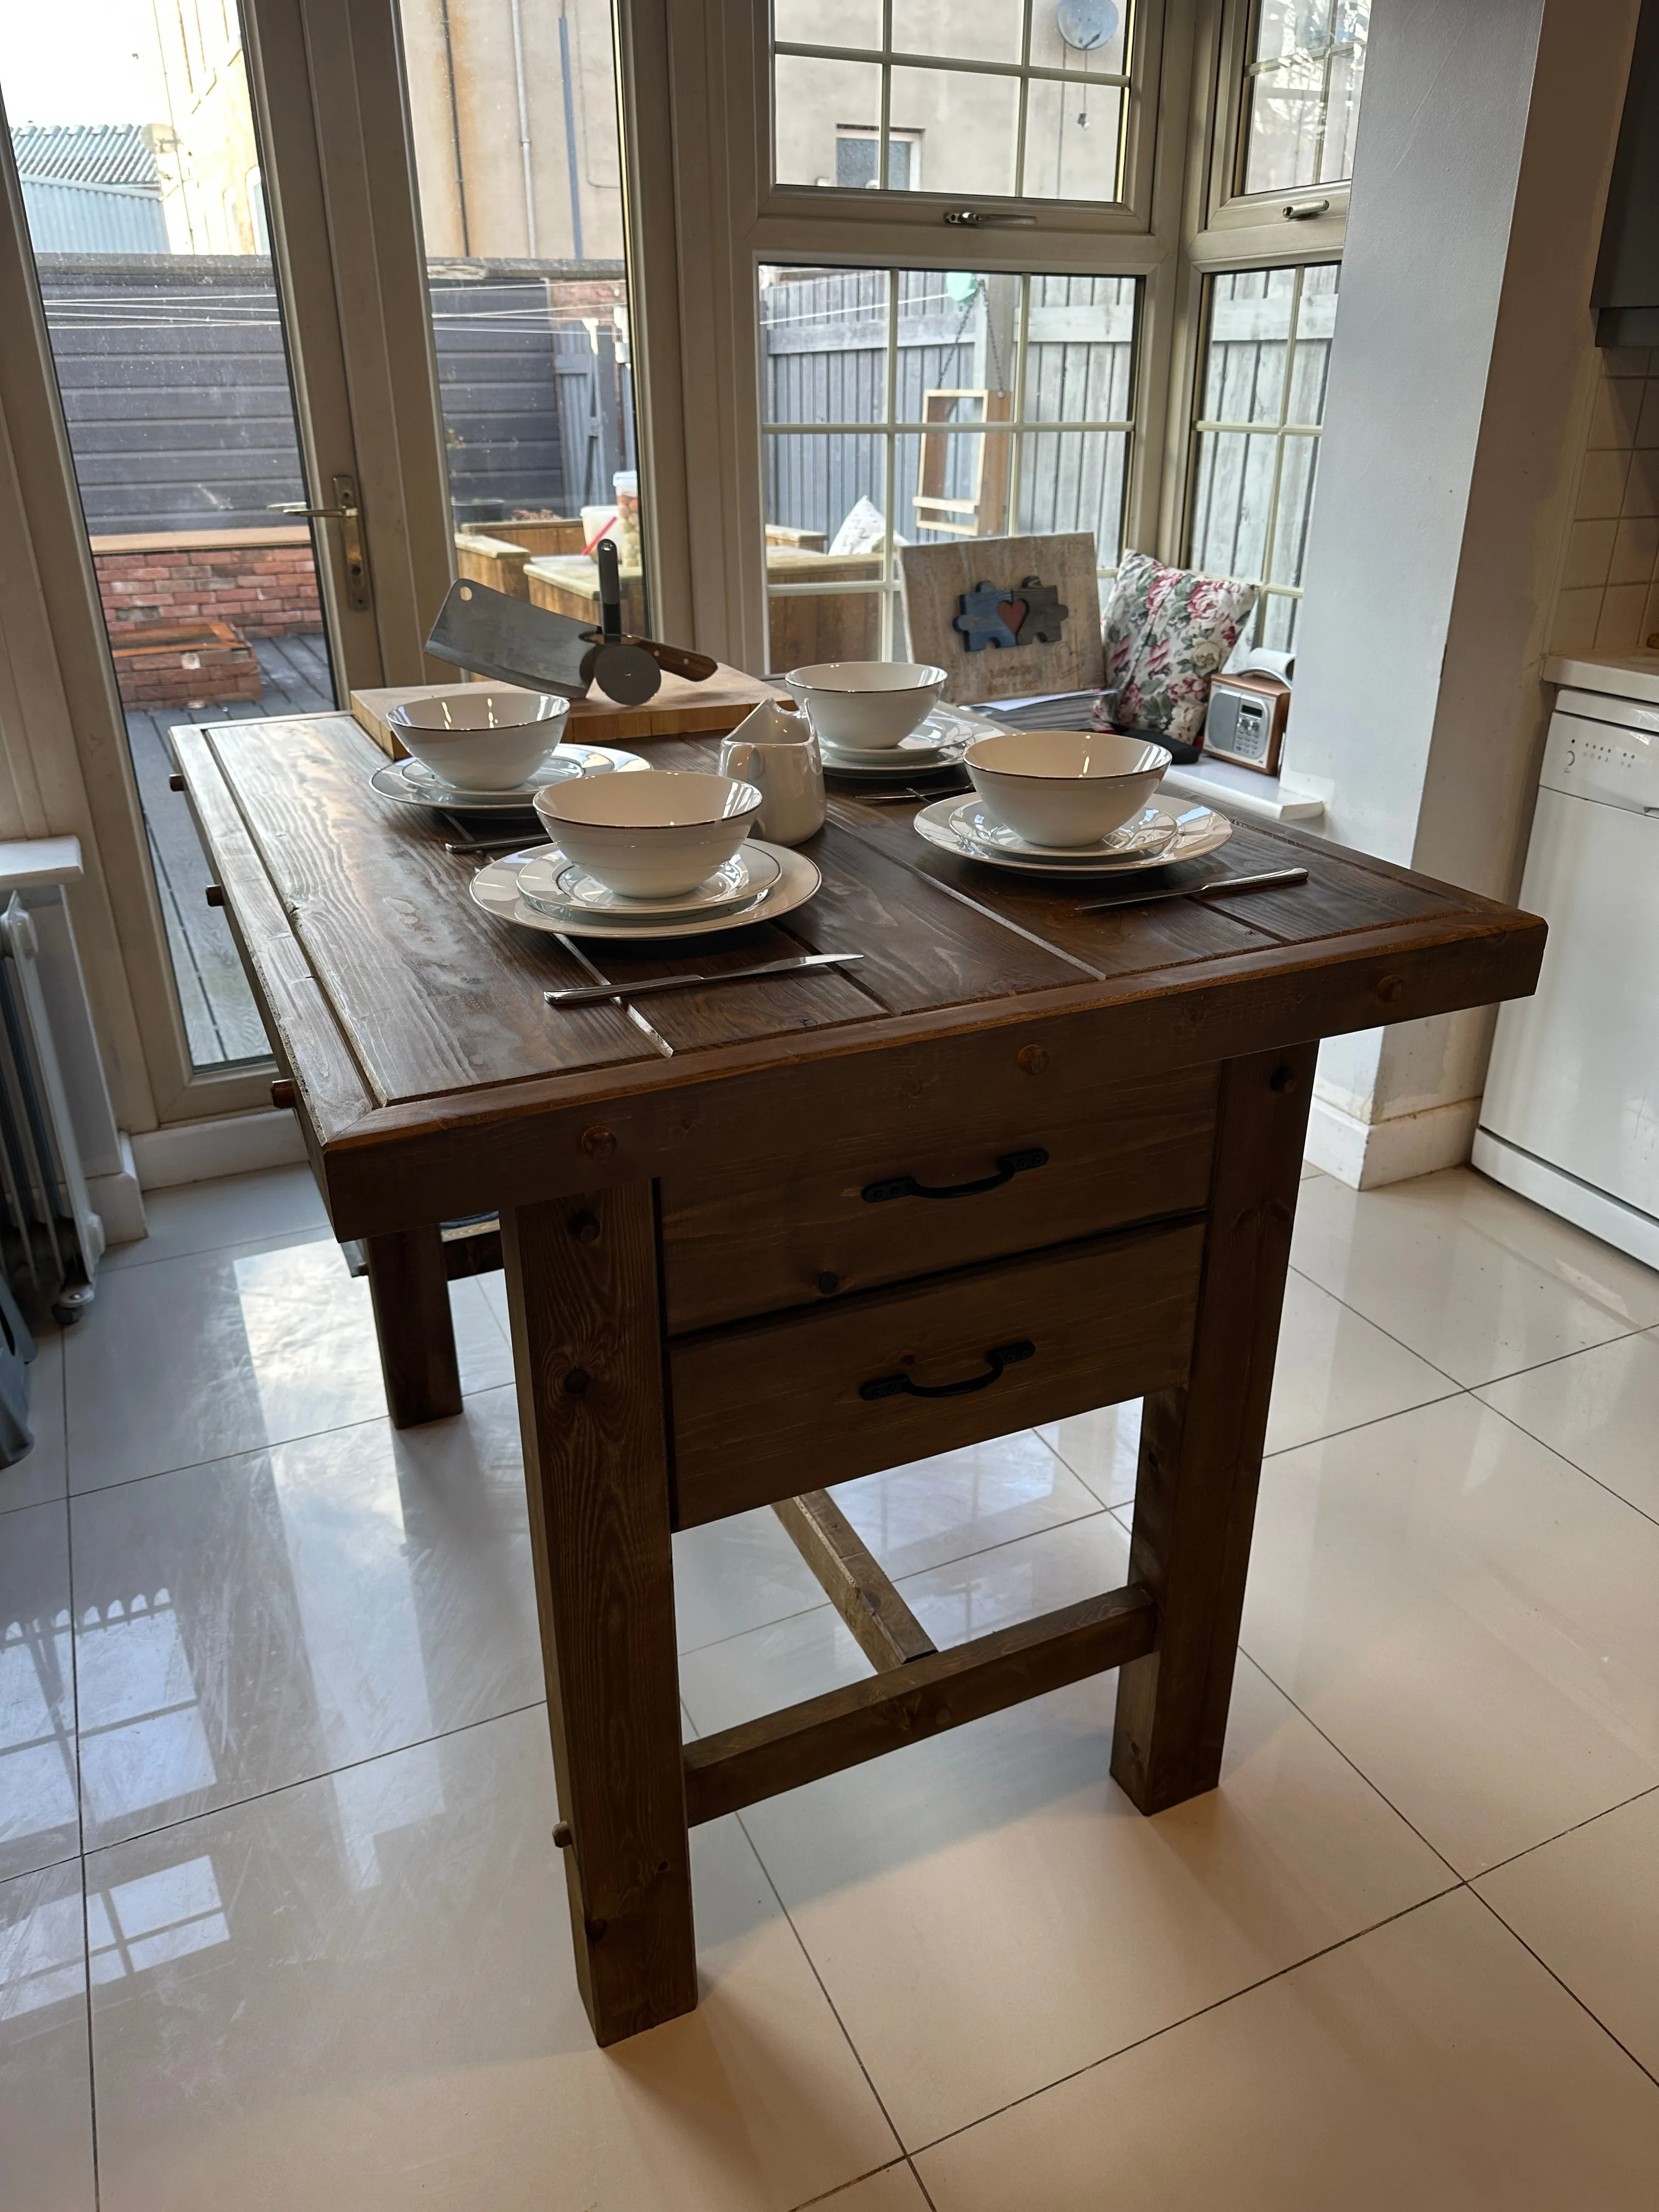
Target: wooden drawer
771, 1408
788, 1222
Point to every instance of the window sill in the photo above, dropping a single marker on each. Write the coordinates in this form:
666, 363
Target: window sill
1241, 791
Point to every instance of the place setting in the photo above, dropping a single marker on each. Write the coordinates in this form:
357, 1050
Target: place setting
880, 721
489, 752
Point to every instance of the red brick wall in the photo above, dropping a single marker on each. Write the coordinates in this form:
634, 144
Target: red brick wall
263, 590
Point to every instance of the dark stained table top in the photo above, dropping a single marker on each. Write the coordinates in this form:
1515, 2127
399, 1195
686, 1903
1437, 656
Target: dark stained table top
399, 1006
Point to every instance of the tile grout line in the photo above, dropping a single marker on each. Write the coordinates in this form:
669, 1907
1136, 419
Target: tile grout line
1556, 1452
1157, 2034
1596, 2018
81, 1814
1573, 1829
323, 1774
834, 2013
829, 2197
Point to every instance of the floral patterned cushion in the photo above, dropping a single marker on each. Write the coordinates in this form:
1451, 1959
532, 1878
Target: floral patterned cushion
1166, 633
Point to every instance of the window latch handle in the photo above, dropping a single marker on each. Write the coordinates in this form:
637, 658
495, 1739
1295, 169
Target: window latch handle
978, 219
1305, 210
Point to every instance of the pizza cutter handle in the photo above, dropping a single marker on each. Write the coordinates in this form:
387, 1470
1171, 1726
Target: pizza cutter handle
678, 659
609, 591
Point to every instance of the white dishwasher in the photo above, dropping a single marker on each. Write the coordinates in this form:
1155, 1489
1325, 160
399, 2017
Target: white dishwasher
1570, 1117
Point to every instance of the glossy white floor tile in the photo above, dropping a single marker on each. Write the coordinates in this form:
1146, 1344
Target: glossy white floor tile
45, 2083
1588, 1904
42, 1473
732, 1575
1599, 1409
359, 1992
1104, 1448
1431, 2065
1470, 1619
278, 1665
1478, 1281
197, 1217
255, 1621
38, 1806
215, 1353
1336, 1370
989, 1912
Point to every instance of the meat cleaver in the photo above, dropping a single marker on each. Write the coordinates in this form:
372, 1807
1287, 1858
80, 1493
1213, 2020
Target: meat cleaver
487, 633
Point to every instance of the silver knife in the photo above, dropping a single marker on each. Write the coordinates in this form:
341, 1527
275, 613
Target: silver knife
1218, 886
595, 995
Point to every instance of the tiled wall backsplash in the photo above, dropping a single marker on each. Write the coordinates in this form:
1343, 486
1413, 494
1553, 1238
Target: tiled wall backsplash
1609, 598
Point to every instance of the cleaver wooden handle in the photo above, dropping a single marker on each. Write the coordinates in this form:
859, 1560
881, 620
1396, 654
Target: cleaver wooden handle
678, 659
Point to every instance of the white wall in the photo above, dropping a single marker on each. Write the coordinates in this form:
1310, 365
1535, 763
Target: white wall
1459, 379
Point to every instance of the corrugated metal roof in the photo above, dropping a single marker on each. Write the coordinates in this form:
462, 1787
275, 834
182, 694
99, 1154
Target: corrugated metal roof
101, 154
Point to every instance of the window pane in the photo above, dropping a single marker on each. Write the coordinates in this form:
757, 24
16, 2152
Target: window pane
1270, 335
988, 30
1304, 92
1080, 34
823, 345
523, 225
1079, 349
1250, 328
810, 23
153, 251
824, 525
948, 460
1075, 481
962, 128
1073, 138
814, 102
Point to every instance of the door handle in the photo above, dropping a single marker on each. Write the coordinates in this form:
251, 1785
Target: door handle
346, 513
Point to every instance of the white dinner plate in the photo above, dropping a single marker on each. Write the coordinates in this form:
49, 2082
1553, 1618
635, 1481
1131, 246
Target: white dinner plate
564, 888
1152, 829
495, 889
415, 785
1199, 831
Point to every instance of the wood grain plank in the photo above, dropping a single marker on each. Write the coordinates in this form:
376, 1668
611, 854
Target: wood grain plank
862, 1719
882, 1624
408, 1285
764, 1407
333, 1093
436, 994
1201, 1442
582, 1293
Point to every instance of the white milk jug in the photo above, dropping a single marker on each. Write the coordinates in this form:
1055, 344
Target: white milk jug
777, 752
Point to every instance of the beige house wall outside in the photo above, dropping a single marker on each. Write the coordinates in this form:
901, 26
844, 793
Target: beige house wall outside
206, 152
463, 99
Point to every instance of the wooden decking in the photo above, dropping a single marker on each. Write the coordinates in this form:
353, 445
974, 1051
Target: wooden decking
220, 1019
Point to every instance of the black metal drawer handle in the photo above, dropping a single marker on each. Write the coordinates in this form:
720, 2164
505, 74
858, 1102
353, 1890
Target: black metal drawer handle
898, 1386
1009, 1165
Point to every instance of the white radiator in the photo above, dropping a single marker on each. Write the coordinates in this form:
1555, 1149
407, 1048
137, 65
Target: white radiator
52, 1240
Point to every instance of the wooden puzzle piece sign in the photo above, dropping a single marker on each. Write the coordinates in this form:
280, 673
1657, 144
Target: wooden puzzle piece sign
994, 615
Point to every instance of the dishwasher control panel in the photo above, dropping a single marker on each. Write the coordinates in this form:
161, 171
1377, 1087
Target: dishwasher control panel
1615, 762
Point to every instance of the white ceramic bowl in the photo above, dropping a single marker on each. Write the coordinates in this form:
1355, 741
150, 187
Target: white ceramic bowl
667, 830
482, 740
865, 703
1065, 787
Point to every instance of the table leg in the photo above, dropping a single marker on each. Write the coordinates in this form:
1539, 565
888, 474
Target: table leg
1200, 1446
410, 1294
581, 1284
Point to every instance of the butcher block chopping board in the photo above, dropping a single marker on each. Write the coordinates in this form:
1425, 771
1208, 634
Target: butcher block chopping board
679, 710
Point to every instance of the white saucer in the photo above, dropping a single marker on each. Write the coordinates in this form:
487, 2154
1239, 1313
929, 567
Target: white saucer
1147, 836
937, 743
561, 887
415, 785
495, 889
1199, 831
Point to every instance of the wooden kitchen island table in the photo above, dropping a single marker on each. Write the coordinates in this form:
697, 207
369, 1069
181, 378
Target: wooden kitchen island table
1019, 1162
